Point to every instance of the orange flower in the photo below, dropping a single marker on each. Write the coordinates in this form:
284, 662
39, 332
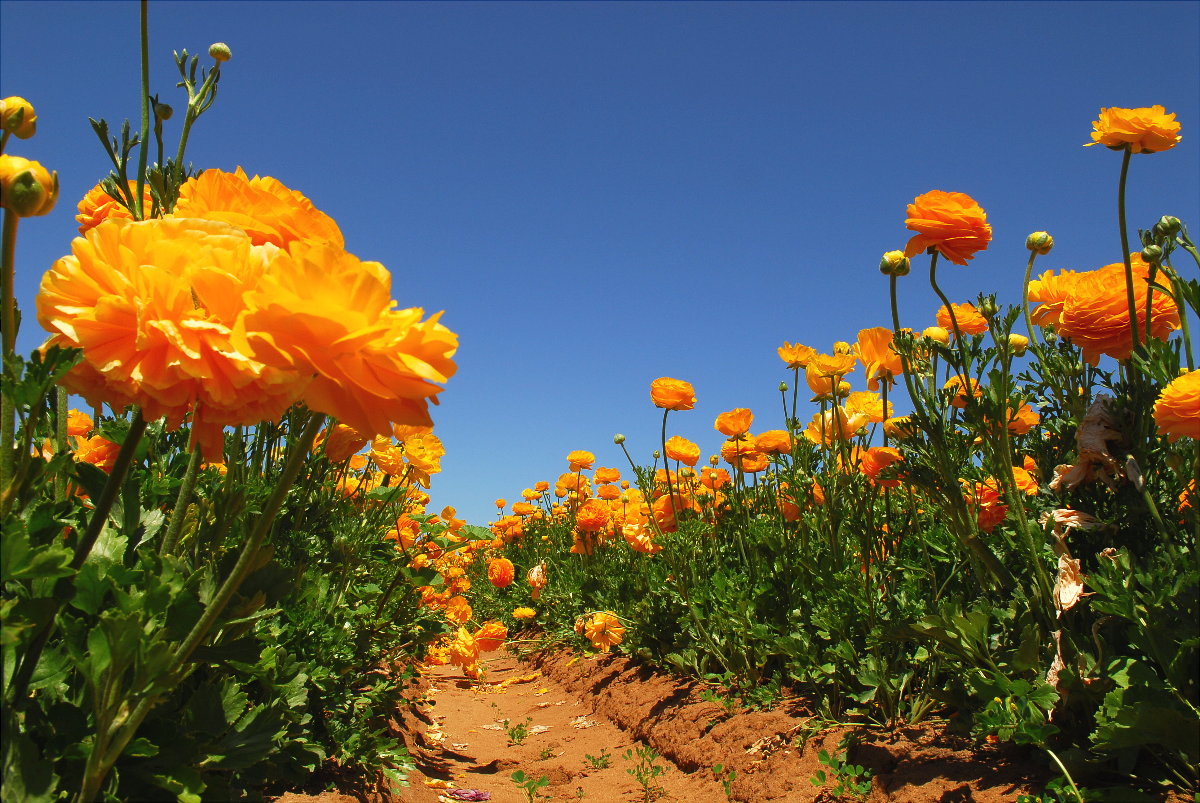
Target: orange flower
604, 630
387, 455
1144, 130
326, 314
98, 206
1023, 419
880, 361
424, 453
984, 500
899, 428
969, 320
593, 515
1025, 481
341, 442
737, 451
672, 394
876, 459
78, 423
714, 478
524, 613
154, 305
734, 423
640, 538
100, 452
868, 404
463, 650
458, 610
500, 503
501, 572
951, 222
603, 474
835, 424
261, 206
955, 385
1177, 411
491, 636
683, 450
523, 509
796, 356
774, 441
1095, 313
580, 460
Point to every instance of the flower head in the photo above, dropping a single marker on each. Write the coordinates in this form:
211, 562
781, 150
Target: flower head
683, 450
951, 222
501, 572
1177, 411
604, 630
796, 356
880, 360
26, 188
1145, 130
734, 423
968, 318
98, 206
672, 394
18, 117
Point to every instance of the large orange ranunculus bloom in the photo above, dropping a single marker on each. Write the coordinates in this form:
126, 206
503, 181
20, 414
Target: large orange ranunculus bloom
774, 441
501, 572
880, 361
876, 459
603, 474
342, 442
951, 222
154, 305
592, 516
98, 206
604, 630
735, 422
869, 404
261, 206
796, 356
100, 452
683, 450
969, 320
1091, 308
490, 637
1177, 411
580, 460
672, 394
78, 423
1144, 130
324, 313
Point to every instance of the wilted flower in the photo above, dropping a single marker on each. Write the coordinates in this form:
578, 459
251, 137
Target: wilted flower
951, 222
1144, 130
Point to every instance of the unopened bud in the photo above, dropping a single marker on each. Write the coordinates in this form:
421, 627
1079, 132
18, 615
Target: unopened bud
219, 52
1152, 254
987, 307
17, 117
163, 111
1018, 343
894, 263
783, 387
656, 454
1168, 225
1040, 242
618, 439
714, 460
842, 347
1050, 336
26, 188
843, 389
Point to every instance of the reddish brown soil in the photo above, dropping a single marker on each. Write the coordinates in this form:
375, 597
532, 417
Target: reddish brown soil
587, 706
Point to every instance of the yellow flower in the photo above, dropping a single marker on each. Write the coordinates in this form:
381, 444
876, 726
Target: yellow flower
26, 188
604, 630
18, 117
524, 613
1145, 130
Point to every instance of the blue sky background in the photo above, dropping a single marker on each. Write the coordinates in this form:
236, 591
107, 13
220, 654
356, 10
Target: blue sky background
599, 194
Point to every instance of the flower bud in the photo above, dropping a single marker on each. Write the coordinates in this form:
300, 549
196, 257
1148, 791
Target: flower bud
618, 439
714, 460
894, 263
17, 117
26, 188
842, 347
219, 52
1152, 254
843, 389
1040, 242
1050, 336
1018, 343
783, 387
656, 454
163, 111
937, 333
988, 308
1168, 225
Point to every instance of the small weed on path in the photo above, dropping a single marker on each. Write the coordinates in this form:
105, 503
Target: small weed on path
530, 786
645, 772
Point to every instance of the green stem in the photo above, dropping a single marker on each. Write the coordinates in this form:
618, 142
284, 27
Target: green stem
60, 439
139, 211
1033, 337
1133, 325
8, 320
179, 513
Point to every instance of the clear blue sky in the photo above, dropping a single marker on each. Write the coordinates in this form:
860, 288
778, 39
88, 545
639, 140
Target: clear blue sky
599, 194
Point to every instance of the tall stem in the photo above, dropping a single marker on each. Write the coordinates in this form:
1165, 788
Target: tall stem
144, 142
1133, 324
8, 319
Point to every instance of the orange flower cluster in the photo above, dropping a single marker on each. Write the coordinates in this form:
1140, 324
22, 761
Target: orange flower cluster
1091, 308
239, 305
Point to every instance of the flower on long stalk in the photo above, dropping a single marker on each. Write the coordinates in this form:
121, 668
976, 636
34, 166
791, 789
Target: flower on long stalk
968, 319
672, 394
1148, 129
950, 222
1177, 410
880, 360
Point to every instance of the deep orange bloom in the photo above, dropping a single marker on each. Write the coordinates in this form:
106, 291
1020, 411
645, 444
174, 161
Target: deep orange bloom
326, 314
341, 442
880, 361
742, 453
876, 459
604, 630
262, 207
984, 499
672, 394
501, 572
796, 356
774, 441
1144, 130
683, 450
640, 538
603, 474
100, 452
969, 320
951, 222
1177, 411
734, 423
98, 206
78, 423
869, 404
955, 384
592, 516
1023, 419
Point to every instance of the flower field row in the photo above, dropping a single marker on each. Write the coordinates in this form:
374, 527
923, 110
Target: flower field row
218, 581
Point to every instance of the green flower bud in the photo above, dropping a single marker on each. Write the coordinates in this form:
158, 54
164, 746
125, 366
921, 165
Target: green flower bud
783, 387
17, 116
26, 188
163, 111
219, 52
1040, 241
1152, 254
1018, 343
894, 263
1050, 336
657, 454
1168, 225
618, 439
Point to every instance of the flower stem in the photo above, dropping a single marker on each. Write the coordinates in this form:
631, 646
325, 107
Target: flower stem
1133, 325
139, 211
8, 320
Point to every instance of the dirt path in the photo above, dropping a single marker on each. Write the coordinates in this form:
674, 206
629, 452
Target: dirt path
467, 747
